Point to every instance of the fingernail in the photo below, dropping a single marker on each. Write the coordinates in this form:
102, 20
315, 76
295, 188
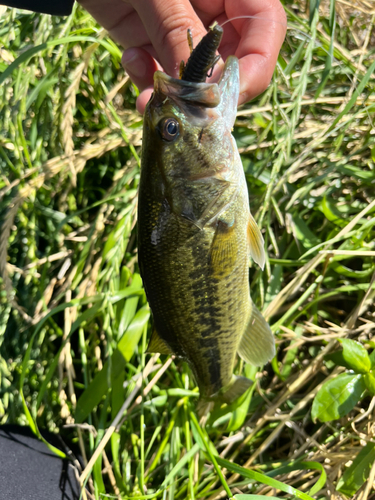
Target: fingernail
133, 63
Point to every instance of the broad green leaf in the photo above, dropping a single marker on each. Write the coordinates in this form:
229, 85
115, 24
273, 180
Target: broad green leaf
355, 355
370, 382
356, 475
372, 358
338, 359
338, 397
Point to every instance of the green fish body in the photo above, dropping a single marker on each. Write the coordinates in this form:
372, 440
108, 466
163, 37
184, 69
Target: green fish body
196, 234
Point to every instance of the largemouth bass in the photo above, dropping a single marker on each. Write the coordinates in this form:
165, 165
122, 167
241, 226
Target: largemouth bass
196, 233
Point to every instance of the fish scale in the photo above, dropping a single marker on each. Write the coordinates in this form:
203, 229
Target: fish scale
196, 233
186, 301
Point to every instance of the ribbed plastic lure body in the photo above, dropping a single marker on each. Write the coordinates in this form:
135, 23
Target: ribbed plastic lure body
196, 234
203, 58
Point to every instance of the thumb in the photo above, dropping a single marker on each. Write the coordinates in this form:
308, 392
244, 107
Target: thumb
166, 23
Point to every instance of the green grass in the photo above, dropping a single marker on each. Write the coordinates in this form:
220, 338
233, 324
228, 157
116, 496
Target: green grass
74, 320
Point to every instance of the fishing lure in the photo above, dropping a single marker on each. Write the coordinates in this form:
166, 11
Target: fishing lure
203, 58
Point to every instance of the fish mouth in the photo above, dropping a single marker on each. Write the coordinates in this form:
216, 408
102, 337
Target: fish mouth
203, 94
197, 99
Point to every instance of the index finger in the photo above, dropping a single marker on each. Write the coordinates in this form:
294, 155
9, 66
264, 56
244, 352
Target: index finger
260, 42
166, 23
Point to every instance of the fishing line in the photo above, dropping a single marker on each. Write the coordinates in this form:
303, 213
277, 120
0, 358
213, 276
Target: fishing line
301, 35
253, 17
304, 36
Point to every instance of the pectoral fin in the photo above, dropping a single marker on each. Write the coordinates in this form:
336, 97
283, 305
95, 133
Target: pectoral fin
256, 242
224, 249
157, 344
237, 387
257, 345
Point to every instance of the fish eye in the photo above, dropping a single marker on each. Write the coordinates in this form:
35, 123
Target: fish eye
170, 129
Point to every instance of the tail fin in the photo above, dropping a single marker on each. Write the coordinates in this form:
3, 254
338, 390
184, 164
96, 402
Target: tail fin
235, 389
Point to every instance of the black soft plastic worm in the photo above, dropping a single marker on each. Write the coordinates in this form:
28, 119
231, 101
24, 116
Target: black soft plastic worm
203, 58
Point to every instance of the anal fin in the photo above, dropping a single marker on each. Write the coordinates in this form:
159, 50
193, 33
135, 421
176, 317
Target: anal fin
204, 406
157, 344
256, 242
257, 345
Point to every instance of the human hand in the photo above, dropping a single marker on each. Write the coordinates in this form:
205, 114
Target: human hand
154, 34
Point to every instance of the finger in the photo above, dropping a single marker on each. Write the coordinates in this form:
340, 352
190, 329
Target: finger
120, 20
208, 12
166, 23
140, 66
143, 99
260, 42
255, 76
130, 32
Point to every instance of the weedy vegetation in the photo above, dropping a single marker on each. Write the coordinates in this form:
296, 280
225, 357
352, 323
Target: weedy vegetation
74, 320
